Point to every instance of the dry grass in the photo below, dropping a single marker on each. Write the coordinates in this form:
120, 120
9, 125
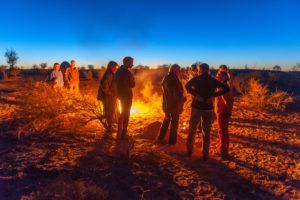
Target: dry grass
64, 189
258, 96
45, 110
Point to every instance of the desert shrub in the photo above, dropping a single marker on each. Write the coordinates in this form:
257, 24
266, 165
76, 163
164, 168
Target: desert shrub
240, 81
3, 74
64, 189
44, 109
14, 72
258, 96
86, 74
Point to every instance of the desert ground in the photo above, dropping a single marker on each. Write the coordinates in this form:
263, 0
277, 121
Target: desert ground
82, 164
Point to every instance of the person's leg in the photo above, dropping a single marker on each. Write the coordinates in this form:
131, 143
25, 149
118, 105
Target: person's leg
126, 104
109, 112
71, 87
164, 127
221, 118
174, 128
76, 87
194, 121
207, 119
226, 122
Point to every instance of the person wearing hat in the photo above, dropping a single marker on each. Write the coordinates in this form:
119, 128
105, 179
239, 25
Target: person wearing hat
203, 88
173, 100
124, 81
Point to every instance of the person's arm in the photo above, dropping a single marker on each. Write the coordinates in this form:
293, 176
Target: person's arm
190, 88
224, 88
67, 75
131, 79
106, 85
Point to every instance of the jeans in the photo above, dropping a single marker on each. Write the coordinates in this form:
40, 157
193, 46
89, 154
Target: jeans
124, 116
205, 117
174, 120
223, 120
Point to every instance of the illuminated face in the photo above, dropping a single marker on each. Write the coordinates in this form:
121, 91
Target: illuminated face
220, 77
56, 67
113, 69
73, 63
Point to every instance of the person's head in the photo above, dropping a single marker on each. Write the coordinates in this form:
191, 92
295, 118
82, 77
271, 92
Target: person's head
56, 66
112, 66
222, 76
194, 68
73, 63
203, 68
128, 62
175, 68
223, 68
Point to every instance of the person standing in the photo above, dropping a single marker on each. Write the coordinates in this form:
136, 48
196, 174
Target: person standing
223, 110
173, 100
203, 88
124, 84
57, 76
72, 77
107, 94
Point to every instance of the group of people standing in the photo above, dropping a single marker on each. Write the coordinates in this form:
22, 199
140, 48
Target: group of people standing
210, 96
116, 85
68, 78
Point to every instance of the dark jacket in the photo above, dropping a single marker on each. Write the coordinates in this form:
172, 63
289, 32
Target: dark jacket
107, 89
173, 98
205, 87
124, 83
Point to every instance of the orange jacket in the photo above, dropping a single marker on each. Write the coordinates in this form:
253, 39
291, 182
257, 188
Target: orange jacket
224, 103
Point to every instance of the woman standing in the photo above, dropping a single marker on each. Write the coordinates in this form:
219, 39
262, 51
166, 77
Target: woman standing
223, 109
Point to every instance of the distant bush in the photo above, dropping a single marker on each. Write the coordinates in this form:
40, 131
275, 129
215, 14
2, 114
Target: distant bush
240, 81
258, 96
45, 110
14, 72
63, 188
86, 74
3, 74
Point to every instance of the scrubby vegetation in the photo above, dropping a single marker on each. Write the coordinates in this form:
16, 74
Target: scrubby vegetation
258, 96
46, 110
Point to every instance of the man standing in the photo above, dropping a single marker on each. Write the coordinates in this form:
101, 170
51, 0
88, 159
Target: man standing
107, 94
72, 77
203, 88
57, 74
173, 101
124, 83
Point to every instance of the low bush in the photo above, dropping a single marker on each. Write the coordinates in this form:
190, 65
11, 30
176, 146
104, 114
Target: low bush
44, 109
258, 96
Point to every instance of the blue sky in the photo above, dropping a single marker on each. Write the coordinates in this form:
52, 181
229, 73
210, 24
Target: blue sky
234, 32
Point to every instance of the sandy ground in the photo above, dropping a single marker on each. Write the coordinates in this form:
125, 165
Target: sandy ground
263, 164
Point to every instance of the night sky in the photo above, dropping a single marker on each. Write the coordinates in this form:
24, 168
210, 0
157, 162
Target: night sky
233, 32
